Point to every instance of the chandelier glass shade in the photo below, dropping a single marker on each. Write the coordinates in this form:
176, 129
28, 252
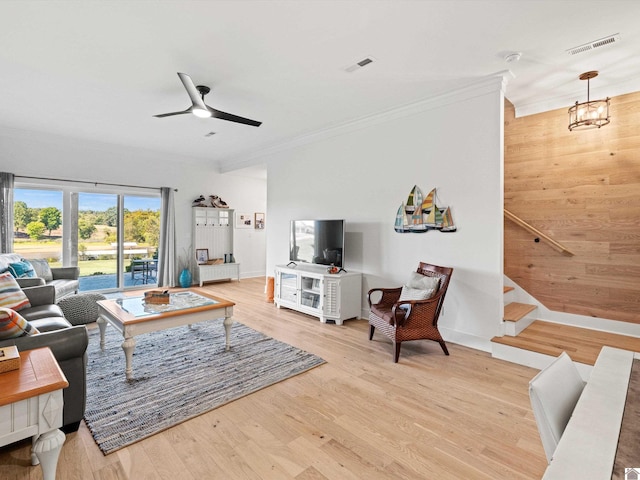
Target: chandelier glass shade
589, 114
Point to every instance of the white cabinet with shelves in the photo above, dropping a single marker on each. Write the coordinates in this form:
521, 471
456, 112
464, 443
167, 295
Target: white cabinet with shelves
224, 271
213, 230
310, 289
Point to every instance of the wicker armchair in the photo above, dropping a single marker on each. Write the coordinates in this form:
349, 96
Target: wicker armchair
410, 319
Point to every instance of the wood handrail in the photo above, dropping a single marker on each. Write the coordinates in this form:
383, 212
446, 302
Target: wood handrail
518, 221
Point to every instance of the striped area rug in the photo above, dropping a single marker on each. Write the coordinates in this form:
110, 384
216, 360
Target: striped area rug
179, 373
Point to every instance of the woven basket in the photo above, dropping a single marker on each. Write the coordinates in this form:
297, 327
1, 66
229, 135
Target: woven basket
10, 360
157, 297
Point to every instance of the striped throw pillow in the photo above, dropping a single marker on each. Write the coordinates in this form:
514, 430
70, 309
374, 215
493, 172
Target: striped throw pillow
11, 295
13, 325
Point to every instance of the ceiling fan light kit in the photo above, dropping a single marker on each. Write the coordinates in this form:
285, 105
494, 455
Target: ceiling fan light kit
201, 113
589, 114
201, 109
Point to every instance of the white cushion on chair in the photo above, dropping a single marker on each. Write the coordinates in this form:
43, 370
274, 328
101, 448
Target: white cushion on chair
554, 392
423, 282
419, 287
415, 294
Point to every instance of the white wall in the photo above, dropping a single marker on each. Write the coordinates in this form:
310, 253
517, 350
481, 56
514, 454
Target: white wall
41, 155
363, 175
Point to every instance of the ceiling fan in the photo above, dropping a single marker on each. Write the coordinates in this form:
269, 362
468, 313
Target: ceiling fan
201, 109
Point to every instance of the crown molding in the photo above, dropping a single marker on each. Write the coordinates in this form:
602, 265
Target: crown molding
474, 88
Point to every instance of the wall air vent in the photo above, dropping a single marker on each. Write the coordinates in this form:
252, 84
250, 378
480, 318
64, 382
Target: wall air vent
358, 65
595, 44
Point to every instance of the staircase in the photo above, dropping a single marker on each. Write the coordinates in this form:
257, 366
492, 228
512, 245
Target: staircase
517, 318
516, 315
535, 343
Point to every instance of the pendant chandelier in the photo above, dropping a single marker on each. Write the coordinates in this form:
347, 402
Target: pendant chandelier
589, 114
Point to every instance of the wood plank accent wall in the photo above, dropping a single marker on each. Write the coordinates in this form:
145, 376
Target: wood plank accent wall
581, 188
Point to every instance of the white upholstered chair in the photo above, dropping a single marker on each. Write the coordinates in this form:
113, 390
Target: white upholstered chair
554, 392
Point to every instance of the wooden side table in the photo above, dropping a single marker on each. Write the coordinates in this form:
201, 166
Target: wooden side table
31, 406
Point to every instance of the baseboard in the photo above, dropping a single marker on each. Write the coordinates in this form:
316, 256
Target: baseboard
592, 323
465, 339
252, 274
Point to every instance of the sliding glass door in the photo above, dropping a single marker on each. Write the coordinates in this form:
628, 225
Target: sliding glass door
98, 241
141, 234
112, 237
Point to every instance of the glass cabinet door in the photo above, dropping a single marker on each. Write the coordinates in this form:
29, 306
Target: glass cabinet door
288, 287
311, 292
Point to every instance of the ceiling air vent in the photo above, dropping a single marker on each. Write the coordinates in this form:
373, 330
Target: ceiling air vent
362, 63
595, 44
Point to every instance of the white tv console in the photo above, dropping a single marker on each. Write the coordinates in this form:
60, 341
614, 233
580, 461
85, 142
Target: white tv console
312, 290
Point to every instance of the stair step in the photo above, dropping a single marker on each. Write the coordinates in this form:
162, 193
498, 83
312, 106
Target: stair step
516, 311
582, 344
508, 289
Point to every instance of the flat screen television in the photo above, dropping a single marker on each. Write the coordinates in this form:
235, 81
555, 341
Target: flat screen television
317, 241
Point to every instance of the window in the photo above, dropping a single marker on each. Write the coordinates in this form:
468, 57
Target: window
106, 234
38, 229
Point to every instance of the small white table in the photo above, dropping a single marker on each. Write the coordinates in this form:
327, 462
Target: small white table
131, 317
31, 406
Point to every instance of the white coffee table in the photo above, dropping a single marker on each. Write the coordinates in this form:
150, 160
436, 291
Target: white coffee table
132, 317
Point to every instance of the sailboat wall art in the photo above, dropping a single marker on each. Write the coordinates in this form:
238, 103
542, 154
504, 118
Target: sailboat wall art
420, 214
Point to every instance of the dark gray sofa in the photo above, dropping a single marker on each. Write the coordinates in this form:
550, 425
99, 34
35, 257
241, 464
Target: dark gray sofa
64, 279
68, 344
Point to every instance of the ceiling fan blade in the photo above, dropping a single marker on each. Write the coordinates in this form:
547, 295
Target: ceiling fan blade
233, 118
194, 95
188, 110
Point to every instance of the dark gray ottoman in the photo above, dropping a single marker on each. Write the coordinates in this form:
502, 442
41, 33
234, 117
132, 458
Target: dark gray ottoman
81, 308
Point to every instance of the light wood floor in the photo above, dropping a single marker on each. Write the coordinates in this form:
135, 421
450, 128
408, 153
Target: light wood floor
360, 416
582, 344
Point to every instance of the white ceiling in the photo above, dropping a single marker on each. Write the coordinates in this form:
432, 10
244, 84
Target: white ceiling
99, 70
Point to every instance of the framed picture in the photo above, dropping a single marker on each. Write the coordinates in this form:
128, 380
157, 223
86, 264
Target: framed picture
202, 255
259, 220
244, 220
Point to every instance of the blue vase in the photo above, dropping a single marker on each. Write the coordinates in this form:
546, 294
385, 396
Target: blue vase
185, 278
